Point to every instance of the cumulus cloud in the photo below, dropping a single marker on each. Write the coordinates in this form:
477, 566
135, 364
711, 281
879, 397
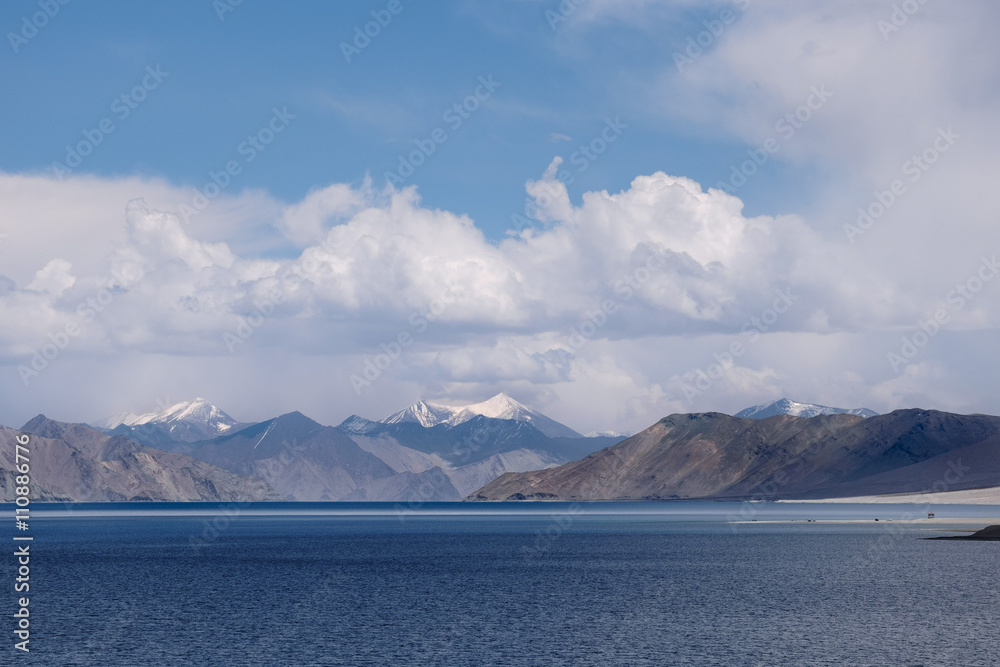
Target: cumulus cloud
616, 277
662, 258
55, 278
666, 254
613, 298
306, 221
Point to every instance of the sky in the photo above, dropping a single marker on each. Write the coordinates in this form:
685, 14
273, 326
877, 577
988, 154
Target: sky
611, 210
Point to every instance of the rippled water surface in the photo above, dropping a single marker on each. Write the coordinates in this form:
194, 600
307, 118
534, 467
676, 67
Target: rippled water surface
499, 584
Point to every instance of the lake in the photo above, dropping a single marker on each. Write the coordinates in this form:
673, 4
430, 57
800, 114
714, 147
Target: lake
673, 583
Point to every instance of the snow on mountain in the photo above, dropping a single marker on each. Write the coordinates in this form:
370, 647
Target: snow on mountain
501, 406
785, 406
358, 425
606, 434
424, 413
198, 416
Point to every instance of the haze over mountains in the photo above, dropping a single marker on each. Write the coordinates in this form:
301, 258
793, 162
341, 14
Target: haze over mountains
78, 462
501, 449
426, 452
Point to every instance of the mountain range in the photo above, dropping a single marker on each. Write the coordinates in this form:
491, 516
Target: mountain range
712, 455
413, 455
79, 463
785, 406
187, 421
500, 406
501, 449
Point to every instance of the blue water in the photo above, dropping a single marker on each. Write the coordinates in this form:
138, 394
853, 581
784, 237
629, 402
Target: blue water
505, 584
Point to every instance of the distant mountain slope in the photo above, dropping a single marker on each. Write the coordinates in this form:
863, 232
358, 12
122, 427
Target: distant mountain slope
472, 440
298, 457
715, 455
187, 421
78, 463
975, 466
432, 484
907, 450
469, 453
467, 444
785, 406
501, 406
473, 476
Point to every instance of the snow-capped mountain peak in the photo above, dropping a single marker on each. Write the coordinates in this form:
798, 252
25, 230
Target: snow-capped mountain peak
198, 413
786, 406
501, 406
424, 413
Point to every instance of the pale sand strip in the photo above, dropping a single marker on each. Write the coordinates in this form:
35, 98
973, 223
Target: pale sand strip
940, 523
988, 496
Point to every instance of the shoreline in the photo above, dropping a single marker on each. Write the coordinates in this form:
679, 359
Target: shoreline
985, 496
928, 524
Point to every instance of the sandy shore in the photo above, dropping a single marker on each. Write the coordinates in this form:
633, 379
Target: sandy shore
942, 523
988, 496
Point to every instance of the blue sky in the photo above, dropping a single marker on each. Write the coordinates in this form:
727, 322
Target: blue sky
855, 141
355, 118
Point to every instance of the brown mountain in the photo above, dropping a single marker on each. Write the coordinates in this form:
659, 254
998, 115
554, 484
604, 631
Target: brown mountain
75, 462
712, 455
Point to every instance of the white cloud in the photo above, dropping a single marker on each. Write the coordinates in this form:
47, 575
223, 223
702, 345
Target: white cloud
356, 267
55, 278
585, 299
306, 221
663, 257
